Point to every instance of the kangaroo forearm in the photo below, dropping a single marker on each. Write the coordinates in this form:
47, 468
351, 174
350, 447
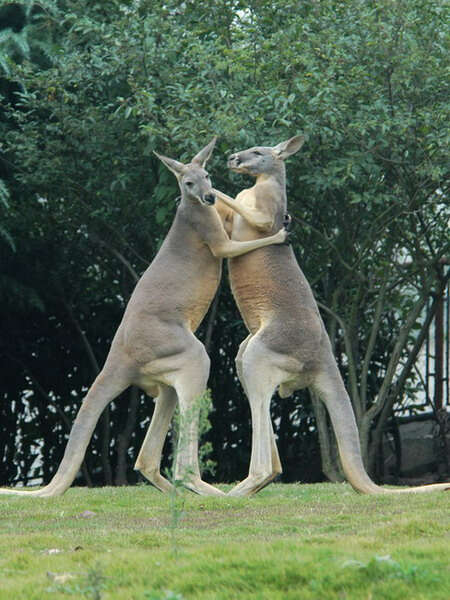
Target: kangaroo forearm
232, 248
231, 203
255, 218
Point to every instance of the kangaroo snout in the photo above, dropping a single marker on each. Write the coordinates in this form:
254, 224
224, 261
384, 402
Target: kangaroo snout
234, 160
210, 199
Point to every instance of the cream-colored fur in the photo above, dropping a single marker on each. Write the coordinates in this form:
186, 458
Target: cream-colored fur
288, 347
154, 346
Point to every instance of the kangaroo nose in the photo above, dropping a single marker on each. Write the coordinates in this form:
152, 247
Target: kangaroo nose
234, 158
210, 198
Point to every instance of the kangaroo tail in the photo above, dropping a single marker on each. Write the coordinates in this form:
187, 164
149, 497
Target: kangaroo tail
330, 388
105, 388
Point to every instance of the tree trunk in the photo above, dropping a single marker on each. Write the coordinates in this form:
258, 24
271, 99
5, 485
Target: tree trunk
331, 467
211, 320
105, 429
386, 396
395, 390
123, 440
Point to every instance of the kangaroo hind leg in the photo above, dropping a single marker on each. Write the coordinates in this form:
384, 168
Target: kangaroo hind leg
276, 462
260, 376
189, 382
329, 386
149, 459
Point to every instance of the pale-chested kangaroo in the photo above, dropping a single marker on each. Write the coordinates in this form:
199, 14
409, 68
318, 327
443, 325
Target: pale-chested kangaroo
288, 347
154, 346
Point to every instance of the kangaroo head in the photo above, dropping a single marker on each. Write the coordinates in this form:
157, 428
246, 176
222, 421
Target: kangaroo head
193, 180
264, 159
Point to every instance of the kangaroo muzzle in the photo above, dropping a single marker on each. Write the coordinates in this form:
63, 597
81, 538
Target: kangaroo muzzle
234, 161
209, 199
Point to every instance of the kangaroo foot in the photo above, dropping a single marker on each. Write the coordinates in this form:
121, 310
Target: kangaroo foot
45, 492
251, 485
202, 488
156, 479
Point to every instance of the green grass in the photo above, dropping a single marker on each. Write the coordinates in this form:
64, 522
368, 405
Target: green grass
289, 542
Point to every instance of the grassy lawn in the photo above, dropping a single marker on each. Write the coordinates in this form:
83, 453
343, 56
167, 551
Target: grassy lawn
319, 541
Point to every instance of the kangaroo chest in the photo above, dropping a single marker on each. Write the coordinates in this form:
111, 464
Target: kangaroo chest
242, 231
255, 285
254, 277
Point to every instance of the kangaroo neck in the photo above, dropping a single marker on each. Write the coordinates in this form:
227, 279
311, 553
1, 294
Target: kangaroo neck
188, 203
276, 179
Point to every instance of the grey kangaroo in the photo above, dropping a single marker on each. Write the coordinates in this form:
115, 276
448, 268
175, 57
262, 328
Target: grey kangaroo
288, 347
154, 346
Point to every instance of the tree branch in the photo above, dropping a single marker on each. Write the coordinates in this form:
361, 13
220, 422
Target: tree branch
123, 439
371, 343
117, 254
386, 398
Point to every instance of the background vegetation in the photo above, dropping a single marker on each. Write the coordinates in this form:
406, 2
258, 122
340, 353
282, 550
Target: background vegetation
89, 89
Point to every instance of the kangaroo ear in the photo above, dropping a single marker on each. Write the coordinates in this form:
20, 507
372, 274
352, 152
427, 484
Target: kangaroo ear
178, 168
285, 149
203, 156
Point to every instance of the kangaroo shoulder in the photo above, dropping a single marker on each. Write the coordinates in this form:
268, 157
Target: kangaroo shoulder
265, 193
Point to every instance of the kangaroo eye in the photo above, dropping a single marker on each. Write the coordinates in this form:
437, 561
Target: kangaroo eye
189, 183
257, 153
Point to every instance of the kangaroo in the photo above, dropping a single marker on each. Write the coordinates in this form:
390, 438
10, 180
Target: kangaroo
154, 346
288, 347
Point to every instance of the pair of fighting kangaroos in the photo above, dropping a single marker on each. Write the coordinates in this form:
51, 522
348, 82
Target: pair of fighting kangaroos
155, 347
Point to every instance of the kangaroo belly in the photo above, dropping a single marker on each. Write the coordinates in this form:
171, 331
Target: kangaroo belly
257, 285
202, 294
275, 299
172, 297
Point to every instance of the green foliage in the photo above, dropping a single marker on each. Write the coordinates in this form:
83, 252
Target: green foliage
90, 89
4, 194
4, 205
